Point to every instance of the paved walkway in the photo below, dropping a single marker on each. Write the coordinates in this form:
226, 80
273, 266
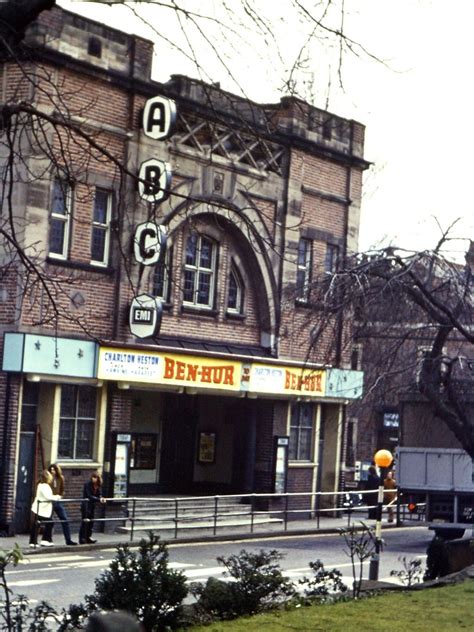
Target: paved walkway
192, 533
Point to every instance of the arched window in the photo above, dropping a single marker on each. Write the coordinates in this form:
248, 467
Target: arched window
199, 271
235, 295
162, 276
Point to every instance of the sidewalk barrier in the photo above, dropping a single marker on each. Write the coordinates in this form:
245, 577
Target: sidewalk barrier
177, 514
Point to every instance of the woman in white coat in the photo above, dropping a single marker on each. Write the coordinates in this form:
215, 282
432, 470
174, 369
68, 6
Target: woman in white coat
43, 510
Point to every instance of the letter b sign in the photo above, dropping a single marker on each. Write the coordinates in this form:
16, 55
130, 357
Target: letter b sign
154, 180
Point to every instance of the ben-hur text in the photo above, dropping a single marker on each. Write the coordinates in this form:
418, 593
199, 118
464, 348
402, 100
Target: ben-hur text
294, 381
199, 373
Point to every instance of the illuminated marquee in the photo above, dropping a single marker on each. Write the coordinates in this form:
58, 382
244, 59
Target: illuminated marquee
168, 369
284, 380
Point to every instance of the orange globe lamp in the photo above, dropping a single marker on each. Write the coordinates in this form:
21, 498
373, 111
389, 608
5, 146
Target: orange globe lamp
383, 458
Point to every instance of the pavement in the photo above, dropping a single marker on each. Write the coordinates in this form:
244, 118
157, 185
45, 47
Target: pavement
192, 533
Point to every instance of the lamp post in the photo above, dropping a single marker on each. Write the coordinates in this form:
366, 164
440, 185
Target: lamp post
383, 459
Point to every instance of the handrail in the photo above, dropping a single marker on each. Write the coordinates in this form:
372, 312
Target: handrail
282, 506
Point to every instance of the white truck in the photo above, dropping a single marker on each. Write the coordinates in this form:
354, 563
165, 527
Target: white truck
441, 481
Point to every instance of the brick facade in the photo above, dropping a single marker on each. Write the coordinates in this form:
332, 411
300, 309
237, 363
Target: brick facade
249, 182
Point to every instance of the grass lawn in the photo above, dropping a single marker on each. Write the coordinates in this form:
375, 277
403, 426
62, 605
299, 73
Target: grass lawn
448, 609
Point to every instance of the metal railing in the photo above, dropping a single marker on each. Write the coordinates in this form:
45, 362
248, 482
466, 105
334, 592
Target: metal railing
290, 511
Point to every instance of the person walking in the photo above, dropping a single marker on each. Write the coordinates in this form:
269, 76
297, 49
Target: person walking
390, 496
373, 482
92, 494
57, 485
43, 510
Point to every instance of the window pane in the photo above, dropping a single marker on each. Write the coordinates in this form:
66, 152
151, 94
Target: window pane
87, 402
84, 439
191, 248
301, 431
206, 253
100, 206
30, 393
59, 203
332, 255
301, 283
159, 280
189, 286
305, 444
56, 239
233, 291
68, 400
302, 252
306, 415
98, 244
66, 439
204, 288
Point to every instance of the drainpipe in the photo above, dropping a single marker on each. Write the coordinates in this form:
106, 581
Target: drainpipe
282, 250
5, 444
340, 318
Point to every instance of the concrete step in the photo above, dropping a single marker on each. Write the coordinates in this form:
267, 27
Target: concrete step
185, 504
189, 512
165, 525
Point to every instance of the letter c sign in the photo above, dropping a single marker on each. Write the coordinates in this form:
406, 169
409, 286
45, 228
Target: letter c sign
149, 243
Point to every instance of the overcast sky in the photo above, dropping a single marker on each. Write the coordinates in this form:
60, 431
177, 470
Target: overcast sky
418, 108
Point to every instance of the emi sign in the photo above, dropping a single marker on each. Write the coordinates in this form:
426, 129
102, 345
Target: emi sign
145, 316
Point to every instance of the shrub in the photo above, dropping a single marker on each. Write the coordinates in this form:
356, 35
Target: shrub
142, 583
437, 560
411, 573
257, 584
323, 582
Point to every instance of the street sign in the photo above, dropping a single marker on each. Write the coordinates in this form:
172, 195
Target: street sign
145, 316
149, 243
159, 118
154, 180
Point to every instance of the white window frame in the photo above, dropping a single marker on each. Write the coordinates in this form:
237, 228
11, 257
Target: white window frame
239, 308
104, 227
299, 428
302, 293
60, 217
76, 419
196, 269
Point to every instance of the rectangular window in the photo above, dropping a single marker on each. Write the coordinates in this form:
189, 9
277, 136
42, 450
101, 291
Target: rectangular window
301, 432
331, 261
303, 272
100, 240
77, 422
60, 219
356, 357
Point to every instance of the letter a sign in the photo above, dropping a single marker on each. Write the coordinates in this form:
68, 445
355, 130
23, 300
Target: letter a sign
145, 316
159, 118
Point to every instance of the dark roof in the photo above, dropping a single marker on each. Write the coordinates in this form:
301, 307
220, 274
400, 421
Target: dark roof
212, 347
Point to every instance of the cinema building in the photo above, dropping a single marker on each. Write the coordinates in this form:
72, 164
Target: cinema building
181, 376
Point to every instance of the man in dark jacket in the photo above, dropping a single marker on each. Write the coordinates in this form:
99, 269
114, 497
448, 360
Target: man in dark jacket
373, 482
